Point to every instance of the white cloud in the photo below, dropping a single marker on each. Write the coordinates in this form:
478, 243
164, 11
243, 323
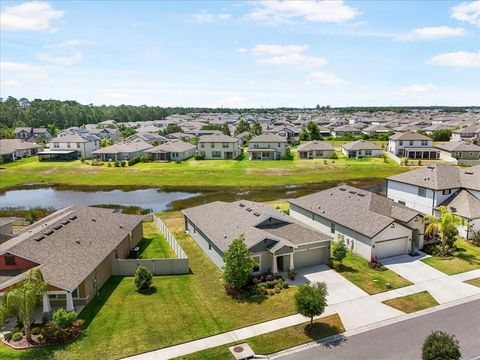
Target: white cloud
114, 96
275, 11
204, 17
270, 49
10, 83
34, 15
431, 33
68, 43
224, 16
327, 78
234, 101
27, 70
62, 60
468, 12
242, 50
293, 59
458, 59
415, 89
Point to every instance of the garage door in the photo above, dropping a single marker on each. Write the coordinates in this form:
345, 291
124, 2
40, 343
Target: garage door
310, 257
390, 248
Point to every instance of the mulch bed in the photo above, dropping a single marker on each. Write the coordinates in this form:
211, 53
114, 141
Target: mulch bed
24, 345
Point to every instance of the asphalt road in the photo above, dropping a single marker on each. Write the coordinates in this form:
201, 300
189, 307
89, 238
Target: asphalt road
404, 340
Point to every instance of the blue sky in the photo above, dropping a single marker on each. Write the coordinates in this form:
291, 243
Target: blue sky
242, 54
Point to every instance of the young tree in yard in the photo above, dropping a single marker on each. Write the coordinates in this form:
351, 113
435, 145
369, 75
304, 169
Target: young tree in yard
238, 264
143, 278
314, 131
440, 345
256, 128
311, 299
242, 126
340, 249
22, 300
445, 228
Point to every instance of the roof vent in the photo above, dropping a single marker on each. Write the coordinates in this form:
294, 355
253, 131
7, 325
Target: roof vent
249, 210
343, 189
48, 232
58, 227
453, 209
121, 226
361, 195
39, 238
224, 236
73, 217
256, 214
65, 222
469, 172
78, 242
352, 192
241, 205
94, 220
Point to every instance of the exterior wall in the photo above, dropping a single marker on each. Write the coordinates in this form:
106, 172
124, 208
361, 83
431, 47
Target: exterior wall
86, 149
469, 233
207, 149
363, 153
356, 242
20, 263
314, 154
396, 146
280, 147
266, 261
418, 223
409, 195
179, 156
209, 248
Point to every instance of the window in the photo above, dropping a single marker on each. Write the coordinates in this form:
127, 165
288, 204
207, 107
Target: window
422, 192
258, 261
10, 260
332, 228
212, 145
400, 142
75, 294
279, 144
411, 142
368, 152
424, 142
216, 154
56, 145
319, 153
68, 145
225, 145
202, 145
78, 145
401, 202
447, 192
209, 247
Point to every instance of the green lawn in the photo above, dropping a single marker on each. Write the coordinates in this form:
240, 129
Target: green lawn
154, 245
277, 340
182, 308
195, 173
412, 303
466, 258
474, 282
356, 270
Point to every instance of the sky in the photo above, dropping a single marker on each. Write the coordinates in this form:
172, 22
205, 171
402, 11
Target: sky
242, 54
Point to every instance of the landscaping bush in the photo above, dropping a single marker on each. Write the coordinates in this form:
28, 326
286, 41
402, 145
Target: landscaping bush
17, 336
63, 318
52, 333
123, 163
278, 290
374, 264
134, 161
199, 157
36, 331
143, 278
8, 336
109, 164
116, 163
441, 345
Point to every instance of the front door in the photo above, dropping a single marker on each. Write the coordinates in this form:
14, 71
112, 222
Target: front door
280, 266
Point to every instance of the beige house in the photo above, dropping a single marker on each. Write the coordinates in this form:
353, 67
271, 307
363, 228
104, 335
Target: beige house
216, 147
315, 149
267, 147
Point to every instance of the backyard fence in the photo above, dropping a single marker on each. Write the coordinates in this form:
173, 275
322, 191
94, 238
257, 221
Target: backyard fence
173, 266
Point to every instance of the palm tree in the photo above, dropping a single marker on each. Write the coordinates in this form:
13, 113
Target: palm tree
23, 299
444, 227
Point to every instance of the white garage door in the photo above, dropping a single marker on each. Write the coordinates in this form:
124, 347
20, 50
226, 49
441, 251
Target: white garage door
389, 248
310, 257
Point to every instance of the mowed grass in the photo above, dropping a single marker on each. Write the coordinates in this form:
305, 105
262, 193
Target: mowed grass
474, 282
154, 245
195, 173
277, 340
356, 270
466, 258
182, 308
414, 302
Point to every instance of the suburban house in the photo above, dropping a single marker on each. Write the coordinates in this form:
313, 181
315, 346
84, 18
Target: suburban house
376, 129
112, 134
13, 149
346, 130
32, 134
470, 133
315, 149
174, 150
267, 147
360, 149
290, 133
276, 241
85, 145
427, 188
74, 248
412, 145
148, 137
6, 228
215, 147
122, 151
371, 224
459, 152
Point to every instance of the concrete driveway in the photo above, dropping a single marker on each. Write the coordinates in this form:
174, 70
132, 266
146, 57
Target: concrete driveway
412, 269
339, 289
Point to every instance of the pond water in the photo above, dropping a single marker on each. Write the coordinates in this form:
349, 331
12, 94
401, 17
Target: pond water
158, 200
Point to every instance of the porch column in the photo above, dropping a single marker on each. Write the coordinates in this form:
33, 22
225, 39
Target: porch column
292, 265
46, 304
275, 269
69, 302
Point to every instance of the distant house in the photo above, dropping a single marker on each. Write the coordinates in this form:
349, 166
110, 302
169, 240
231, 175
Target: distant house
74, 248
315, 149
267, 147
291, 133
85, 145
427, 188
13, 149
179, 136
122, 151
215, 147
376, 129
148, 137
32, 134
412, 145
112, 134
173, 150
469, 133
346, 130
371, 224
458, 150
107, 124
360, 149
277, 242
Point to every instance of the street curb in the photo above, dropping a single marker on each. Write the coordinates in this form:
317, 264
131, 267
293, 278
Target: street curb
380, 324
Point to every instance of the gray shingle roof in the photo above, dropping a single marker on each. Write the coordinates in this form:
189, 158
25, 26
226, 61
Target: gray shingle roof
268, 138
8, 146
70, 253
124, 148
361, 145
463, 203
223, 222
315, 145
217, 138
172, 146
458, 146
409, 135
362, 211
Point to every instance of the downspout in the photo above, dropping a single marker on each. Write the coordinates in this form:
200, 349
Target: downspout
433, 204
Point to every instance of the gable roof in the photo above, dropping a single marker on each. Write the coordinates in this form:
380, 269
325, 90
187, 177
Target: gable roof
8, 146
458, 146
217, 138
172, 146
315, 145
463, 203
359, 210
409, 135
127, 147
268, 138
361, 145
